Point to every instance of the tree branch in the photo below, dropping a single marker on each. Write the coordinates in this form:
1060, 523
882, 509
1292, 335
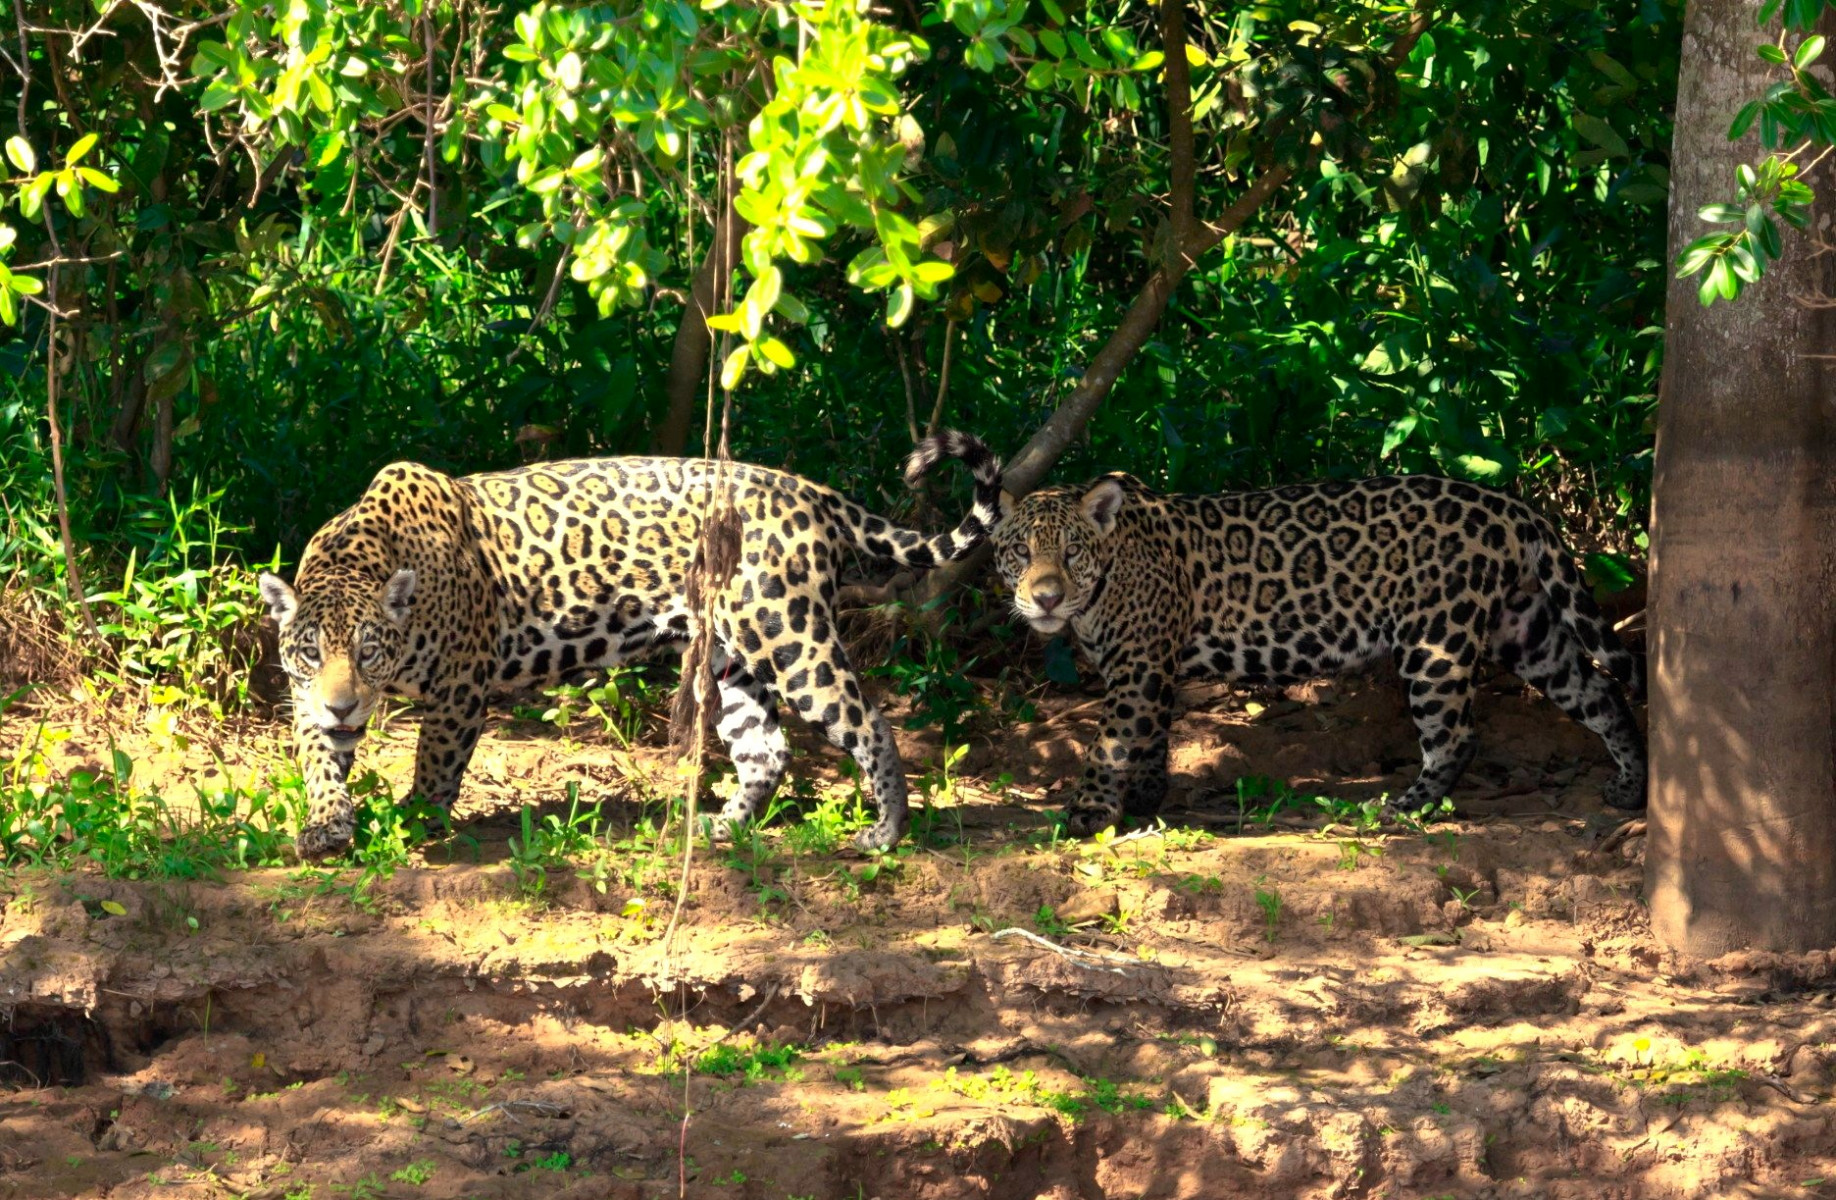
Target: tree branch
689, 358
1184, 161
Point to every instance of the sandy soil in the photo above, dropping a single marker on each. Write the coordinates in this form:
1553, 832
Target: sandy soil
1476, 1010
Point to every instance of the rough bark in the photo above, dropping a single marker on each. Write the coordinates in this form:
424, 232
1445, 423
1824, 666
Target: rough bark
1742, 848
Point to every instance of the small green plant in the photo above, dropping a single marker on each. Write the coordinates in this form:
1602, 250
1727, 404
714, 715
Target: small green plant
937, 680
415, 1173
550, 843
1352, 852
1269, 901
750, 1063
1048, 922
623, 703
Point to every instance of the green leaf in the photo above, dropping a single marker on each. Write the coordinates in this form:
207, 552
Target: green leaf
1383, 359
1479, 467
899, 304
1808, 51
1743, 120
114, 908
99, 181
82, 146
1608, 573
219, 94
932, 271
734, 369
20, 152
1770, 53
777, 352
1398, 433
792, 309
1720, 213
1601, 134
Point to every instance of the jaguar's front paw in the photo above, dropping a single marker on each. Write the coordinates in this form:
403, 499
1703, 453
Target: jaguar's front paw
322, 841
1087, 820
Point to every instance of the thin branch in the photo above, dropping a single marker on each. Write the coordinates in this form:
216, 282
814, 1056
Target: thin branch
943, 380
433, 182
1087, 959
1183, 159
25, 64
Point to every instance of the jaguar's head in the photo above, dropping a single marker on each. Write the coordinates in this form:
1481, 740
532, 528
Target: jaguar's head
342, 638
1053, 548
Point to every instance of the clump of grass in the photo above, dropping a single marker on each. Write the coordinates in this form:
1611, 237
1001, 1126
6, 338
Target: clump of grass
754, 1063
132, 834
1269, 901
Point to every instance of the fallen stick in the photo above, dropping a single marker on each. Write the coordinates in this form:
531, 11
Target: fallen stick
1088, 960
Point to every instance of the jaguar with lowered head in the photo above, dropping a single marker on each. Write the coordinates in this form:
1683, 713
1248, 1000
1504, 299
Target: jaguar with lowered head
446, 589
1289, 584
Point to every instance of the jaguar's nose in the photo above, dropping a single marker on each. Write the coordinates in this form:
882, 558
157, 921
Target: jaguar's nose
342, 711
1047, 593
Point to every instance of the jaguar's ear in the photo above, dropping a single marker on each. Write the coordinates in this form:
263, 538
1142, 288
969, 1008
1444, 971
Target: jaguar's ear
282, 603
398, 595
1009, 502
1101, 504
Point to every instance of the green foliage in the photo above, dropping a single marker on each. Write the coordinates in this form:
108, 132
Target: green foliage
551, 842
1464, 276
1025, 1087
415, 1174
179, 623
748, 1063
929, 669
1795, 116
128, 834
1269, 901
622, 704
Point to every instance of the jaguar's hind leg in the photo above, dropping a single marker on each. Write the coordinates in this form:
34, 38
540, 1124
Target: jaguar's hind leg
1439, 679
749, 726
1537, 646
822, 687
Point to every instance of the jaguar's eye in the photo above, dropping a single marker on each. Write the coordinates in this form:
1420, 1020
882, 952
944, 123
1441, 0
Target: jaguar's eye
308, 655
1071, 553
370, 653
1022, 554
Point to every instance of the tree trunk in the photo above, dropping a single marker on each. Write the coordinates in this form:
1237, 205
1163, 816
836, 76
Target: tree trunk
1742, 848
688, 362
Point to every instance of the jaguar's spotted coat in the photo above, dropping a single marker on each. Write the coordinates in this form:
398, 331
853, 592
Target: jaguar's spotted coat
444, 589
1284, 585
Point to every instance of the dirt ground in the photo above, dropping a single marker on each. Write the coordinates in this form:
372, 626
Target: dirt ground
1473, 1010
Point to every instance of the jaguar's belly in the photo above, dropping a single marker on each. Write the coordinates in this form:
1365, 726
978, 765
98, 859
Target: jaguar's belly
583, 637
1258, 653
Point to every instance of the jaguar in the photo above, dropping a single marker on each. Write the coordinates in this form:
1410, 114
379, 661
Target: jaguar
1292, 583
448, 589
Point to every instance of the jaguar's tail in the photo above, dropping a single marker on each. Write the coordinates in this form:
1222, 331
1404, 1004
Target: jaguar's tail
908, 548
1555, 570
